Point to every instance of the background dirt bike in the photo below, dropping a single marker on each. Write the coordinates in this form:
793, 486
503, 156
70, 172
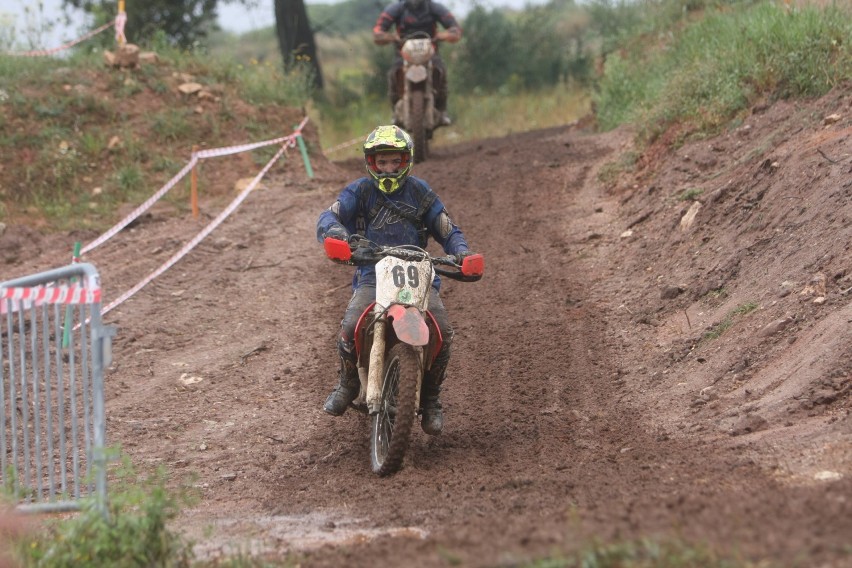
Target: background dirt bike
392, 359
415, 110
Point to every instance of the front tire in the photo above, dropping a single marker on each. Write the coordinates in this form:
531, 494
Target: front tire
391, 425
418, 126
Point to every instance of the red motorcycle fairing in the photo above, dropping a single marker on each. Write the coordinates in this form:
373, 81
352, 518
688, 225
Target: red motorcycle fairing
363, 341
360, 329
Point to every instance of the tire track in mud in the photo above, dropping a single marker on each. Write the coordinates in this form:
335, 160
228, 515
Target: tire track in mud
543, 444
520, 427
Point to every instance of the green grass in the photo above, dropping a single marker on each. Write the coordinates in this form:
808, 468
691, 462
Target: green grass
57, 117
718, 329
172, 125
690, 194
129, 179
746, 308
625, 162
137, 531
134, 533
717, 66
645, 553
473, 116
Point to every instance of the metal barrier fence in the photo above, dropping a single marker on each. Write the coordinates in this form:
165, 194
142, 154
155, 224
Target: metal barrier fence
53, 351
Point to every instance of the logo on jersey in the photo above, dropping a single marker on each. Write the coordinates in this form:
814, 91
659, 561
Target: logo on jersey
387, 216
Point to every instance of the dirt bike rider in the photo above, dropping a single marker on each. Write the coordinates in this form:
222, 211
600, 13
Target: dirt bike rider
390, 207
411, 16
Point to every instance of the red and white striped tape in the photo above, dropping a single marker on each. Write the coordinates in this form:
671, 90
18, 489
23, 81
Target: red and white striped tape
227, 151
196, 156
290, 142
43, 52
343, 145
11, 299
141, 209
120, 21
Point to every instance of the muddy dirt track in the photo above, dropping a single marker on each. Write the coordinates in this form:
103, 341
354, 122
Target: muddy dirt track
221, 367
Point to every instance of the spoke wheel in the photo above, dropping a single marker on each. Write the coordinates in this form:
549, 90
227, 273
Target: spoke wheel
391, 426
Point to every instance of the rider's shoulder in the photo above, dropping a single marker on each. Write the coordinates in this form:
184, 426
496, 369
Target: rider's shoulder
358, 186
418, 184
395, 8
361, 184
421, 192
438, 8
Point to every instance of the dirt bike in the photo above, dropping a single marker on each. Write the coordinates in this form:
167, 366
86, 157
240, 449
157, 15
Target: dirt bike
396, 338
415, 111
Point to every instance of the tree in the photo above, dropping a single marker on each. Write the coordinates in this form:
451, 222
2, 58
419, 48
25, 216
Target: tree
183, 22
345, 17
484, 58
295, 37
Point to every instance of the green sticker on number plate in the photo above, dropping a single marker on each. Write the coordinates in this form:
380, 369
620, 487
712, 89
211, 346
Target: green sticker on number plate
404, 296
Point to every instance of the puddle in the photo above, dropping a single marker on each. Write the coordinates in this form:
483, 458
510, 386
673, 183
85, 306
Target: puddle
259, 535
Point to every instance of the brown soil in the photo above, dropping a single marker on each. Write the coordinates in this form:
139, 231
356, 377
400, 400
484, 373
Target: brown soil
617, 373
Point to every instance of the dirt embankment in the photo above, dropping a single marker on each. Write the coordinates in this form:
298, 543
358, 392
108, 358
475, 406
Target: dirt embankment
664, 355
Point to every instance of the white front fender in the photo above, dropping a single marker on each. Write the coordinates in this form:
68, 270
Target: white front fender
416, 73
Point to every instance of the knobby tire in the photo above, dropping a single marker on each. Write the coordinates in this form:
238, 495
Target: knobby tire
391, 425
418, 126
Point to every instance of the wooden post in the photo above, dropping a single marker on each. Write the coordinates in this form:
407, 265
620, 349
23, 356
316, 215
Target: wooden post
193, 186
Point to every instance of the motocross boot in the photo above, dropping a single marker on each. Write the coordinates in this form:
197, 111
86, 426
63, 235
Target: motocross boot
346, 390
432, 419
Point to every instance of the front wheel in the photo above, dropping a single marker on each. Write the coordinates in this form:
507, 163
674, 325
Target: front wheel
418, 126
391, 427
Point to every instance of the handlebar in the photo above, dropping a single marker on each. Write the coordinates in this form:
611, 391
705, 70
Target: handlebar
400, 41
362, 252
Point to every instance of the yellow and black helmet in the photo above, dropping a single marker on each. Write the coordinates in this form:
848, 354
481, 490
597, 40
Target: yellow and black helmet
389, 139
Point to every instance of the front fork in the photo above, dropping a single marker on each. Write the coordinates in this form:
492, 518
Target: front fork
372, 378
423, 80
375, 375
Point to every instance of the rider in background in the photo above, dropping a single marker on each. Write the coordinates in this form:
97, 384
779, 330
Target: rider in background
391, 208
411, 16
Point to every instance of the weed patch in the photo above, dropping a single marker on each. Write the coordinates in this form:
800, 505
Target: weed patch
134, 531
718, 329
643, 554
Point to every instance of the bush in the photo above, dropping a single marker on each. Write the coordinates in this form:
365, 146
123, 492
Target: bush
132, 533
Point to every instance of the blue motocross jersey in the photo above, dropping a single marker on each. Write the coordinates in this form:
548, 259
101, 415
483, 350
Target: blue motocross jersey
359, 210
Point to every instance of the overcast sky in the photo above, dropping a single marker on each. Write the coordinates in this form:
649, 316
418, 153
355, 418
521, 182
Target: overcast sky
232, 17
237, 19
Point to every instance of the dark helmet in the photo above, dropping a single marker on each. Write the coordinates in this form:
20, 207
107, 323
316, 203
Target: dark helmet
383, 139
414, 5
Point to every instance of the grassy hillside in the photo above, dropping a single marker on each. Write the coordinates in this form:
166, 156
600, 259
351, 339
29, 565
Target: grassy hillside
83, 138
80, 138
716, 67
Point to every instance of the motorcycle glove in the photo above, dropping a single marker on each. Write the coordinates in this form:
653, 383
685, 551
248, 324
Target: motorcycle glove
337, 232
461, 255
